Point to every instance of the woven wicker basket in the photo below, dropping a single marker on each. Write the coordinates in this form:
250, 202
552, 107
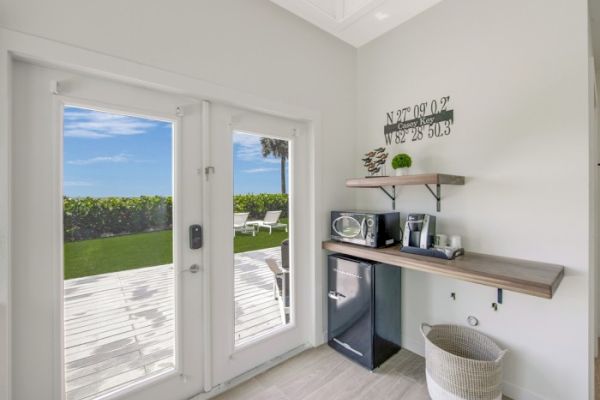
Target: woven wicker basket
462, 364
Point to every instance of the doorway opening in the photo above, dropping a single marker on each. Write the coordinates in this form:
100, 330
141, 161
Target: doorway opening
119, 285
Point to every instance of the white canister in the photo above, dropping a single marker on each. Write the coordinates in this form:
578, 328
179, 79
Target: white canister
456, 241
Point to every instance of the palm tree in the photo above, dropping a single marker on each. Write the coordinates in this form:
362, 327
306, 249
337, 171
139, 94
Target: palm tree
279, 149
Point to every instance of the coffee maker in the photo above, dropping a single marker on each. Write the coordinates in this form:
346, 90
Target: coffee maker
419, 231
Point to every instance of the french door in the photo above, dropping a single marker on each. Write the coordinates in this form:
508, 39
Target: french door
106, 287
260, 227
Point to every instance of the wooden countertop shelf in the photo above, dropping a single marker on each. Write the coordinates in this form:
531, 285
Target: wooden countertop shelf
421, 179
529, 277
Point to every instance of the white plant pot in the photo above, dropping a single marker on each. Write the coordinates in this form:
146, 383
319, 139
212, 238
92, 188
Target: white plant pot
401, 171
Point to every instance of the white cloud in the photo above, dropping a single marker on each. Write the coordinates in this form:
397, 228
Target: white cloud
259, 170
77, 183
92, 124
119, 158
248, 147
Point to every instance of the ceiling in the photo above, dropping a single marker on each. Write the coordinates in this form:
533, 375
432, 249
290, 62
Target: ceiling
356, 21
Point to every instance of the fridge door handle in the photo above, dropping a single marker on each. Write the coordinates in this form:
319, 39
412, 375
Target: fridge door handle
335, 295
348, 347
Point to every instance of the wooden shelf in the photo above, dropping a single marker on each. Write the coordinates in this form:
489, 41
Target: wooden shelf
421, 179
529, 277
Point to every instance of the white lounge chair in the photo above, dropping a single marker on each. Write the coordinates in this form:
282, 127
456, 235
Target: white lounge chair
240, 224
270, 221
281, 282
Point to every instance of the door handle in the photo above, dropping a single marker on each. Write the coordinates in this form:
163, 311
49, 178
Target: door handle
193, 269
335, 295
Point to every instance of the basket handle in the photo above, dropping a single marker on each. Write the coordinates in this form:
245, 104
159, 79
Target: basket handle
423, 326
501, 356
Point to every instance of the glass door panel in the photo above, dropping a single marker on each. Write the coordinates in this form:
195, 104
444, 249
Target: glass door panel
261, 245
119, 285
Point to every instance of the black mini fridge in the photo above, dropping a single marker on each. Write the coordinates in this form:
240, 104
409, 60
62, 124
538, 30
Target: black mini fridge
364, 315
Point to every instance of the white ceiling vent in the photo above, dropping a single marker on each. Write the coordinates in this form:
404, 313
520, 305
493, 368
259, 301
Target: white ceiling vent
356, 21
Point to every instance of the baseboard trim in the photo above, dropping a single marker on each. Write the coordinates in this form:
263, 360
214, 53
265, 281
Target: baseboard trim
414, 345
220, 388
519, 393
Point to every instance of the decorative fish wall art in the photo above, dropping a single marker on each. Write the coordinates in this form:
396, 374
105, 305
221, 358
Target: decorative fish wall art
374, 161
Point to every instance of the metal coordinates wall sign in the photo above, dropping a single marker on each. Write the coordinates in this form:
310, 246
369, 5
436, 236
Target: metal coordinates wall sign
430, 119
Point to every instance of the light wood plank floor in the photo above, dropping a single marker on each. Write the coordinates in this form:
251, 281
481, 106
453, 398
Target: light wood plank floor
322, 373
119, 327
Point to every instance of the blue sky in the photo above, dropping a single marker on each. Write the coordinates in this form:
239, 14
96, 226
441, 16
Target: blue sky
254, 173
116, 155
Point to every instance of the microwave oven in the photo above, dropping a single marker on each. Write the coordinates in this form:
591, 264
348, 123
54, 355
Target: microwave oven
366, 228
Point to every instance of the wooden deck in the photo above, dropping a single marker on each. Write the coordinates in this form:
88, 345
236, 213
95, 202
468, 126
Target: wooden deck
257, 311
119, 327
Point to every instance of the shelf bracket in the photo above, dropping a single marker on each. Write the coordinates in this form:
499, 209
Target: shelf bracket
390, 195
437, 195
499, 299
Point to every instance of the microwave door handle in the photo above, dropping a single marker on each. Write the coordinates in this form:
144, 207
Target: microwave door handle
334, 226
363, 228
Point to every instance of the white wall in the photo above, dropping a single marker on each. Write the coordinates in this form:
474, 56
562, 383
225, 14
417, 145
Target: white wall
251, 46
594, 163
517, 74
594, 206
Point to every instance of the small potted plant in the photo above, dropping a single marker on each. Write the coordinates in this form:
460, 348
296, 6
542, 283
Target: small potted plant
401, 162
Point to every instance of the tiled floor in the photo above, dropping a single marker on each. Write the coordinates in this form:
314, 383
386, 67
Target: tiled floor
119, 326
322, 373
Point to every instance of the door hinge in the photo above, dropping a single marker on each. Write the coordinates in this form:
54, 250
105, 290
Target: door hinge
55, 87
208, 170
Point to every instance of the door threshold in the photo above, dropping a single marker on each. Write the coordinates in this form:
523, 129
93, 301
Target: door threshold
246, 376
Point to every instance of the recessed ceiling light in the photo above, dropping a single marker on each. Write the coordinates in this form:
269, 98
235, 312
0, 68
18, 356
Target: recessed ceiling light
381, 15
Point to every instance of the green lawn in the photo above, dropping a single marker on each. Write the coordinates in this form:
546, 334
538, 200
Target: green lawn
99, 256
262, 240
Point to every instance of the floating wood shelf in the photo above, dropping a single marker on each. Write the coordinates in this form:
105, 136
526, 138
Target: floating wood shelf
421, 179
529, 277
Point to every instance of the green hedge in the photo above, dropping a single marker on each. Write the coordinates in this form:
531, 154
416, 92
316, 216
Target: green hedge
90, 217
258, 204
96, 217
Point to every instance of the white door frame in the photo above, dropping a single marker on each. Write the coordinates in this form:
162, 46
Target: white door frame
15, 45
